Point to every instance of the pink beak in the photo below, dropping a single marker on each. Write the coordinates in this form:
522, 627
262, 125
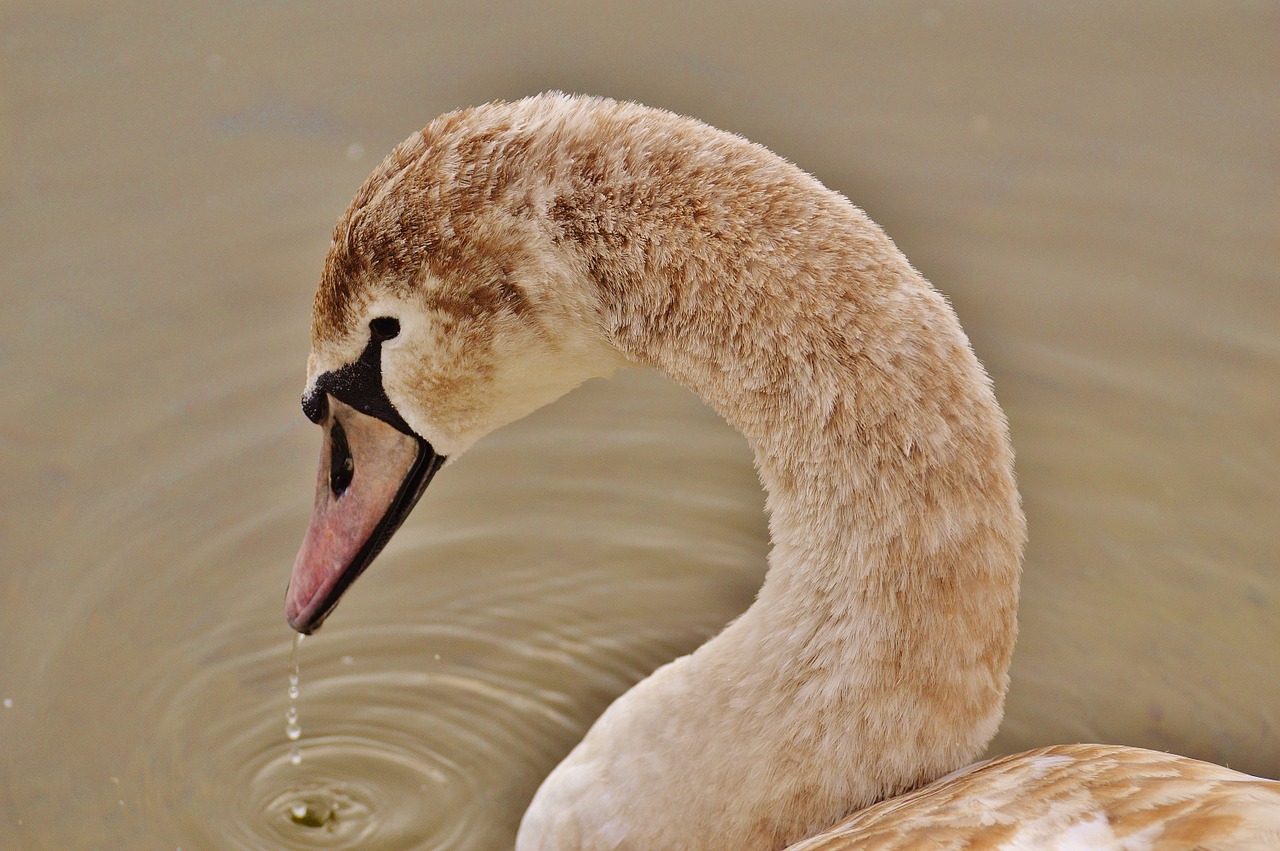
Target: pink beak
371, 475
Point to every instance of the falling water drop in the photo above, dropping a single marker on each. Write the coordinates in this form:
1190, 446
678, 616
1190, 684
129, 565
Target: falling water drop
292, 729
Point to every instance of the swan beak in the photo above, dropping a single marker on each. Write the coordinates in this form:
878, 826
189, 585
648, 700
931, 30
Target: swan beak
371, 475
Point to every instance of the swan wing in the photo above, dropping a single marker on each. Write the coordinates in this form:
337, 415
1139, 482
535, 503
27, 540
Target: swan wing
1072, 797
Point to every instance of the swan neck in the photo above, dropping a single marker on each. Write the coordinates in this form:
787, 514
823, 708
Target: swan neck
896, 525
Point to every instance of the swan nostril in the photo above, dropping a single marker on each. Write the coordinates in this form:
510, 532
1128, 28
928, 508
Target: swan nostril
341, 465
384, 327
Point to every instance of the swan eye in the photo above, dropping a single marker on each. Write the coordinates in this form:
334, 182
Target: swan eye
341, 465
384, 327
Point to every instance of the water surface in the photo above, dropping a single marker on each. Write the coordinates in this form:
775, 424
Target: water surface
1094, 188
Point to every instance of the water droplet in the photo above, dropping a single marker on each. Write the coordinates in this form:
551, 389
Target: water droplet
347, 660
8, 703
309, 813
292, 728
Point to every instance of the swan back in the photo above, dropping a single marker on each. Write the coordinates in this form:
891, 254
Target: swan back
1072, 797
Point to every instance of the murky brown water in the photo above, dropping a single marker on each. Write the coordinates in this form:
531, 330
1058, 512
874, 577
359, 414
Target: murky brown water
1096, 190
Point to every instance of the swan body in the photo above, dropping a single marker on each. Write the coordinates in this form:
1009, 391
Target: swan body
509, 252
1072, 797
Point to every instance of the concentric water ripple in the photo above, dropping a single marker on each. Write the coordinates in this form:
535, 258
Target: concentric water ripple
431, 730
446, 686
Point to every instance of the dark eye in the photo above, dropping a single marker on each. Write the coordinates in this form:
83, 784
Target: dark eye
384, 327
341, 465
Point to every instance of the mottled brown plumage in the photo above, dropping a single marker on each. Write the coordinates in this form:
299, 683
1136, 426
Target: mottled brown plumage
1072, 796
525, 247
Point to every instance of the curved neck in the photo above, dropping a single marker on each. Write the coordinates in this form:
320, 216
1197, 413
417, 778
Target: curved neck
896, 525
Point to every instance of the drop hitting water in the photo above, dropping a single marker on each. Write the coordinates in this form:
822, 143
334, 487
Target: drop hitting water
312, 810
299, 811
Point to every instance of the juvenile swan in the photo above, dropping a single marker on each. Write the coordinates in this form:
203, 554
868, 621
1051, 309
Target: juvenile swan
509, 252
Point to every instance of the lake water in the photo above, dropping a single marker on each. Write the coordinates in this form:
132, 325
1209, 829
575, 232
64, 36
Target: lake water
1094, 186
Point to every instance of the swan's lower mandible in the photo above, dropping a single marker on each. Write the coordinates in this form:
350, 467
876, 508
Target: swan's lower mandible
371, 475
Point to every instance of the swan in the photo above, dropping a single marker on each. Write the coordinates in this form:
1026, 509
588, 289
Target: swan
509, 252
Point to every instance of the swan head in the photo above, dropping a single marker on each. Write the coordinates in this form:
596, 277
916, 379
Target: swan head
437, 320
